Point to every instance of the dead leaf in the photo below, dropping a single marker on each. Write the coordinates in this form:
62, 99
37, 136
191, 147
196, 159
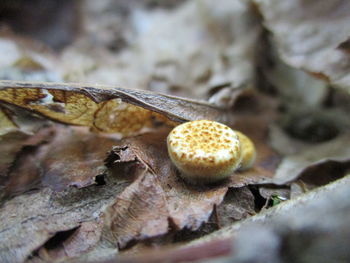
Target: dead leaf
11, 144
126, 52
140, 212
73, 158
105, 108
16, 146
144, 209
205, 252
68, 157
274, 194
38, 216
307, 36
305, 225
296, 88
71, 243
238, 204
295, 165
6, 123
159, 195
319, 174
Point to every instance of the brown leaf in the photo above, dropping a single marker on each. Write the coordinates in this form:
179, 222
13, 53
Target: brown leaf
217, 248
73, 157
11, 144
17, 149
103, 108
237, 205
139, 212
158, 194
16, 132
157, 200
70, 157
28, 221
319, 174
71, 243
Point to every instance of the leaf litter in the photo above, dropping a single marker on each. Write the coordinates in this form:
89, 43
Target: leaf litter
156, 199
310, 36
109, 185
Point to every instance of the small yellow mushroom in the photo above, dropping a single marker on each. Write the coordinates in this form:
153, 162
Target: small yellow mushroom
204, 151
248, 151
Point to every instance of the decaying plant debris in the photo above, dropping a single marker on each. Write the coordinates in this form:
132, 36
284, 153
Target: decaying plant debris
84, 170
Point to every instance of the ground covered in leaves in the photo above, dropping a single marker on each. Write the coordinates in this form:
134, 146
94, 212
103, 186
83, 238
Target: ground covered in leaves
84, 170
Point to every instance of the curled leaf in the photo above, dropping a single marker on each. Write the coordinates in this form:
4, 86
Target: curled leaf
311, 36
105, 108
294, 166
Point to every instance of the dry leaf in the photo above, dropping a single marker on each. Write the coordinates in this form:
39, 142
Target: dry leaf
157, 200
237, 205
295, 165
312, 227
104, 108
6, 123
310, 35
16, 146
319, 174
144, 209
158, 195
71, 243
137, 48
204, 252
29, 220
59, 157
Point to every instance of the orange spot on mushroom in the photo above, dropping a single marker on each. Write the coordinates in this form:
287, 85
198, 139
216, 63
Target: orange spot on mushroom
205, 144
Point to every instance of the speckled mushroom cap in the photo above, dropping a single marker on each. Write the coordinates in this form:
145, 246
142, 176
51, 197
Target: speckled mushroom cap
204, 151
248, 151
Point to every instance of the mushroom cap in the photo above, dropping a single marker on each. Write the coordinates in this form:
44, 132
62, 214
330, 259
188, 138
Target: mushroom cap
248, 152
204, 151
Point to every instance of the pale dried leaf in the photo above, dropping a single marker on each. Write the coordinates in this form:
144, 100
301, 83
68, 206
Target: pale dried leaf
146, 54
293, 166
38, 216
309, 36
